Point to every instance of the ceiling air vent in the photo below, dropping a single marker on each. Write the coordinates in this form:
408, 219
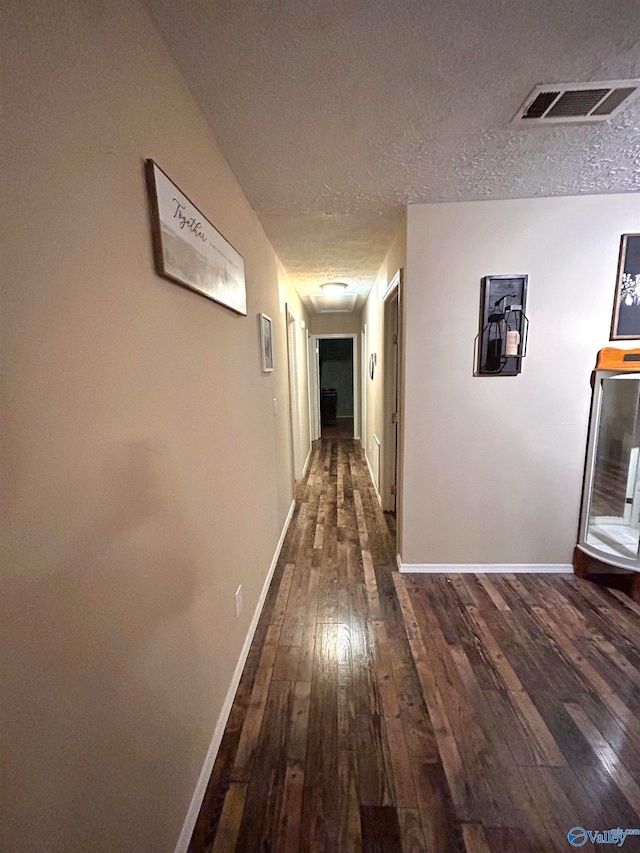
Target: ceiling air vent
559, 103
325, 304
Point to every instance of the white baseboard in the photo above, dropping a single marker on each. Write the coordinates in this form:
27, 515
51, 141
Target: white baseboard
216, 740
484, 568
373, 479
306, 463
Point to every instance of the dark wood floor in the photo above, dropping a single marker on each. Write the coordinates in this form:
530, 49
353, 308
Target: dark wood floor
388, 712
342, 428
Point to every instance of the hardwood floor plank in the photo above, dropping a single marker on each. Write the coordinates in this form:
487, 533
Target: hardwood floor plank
440, 823
508, 840
500, 663
470, 718
557, 813
346, 701
475, 840
293, 623
411, 834
283, 594
591, 675
285, 666
288, 830
403, 783
476, 591
350, 833
525, 749
460, 786
622, 737
375, 774
260, 819
608, 758
362, 526
493, 592
255, 712
532, 718
299, 726
309, 627
320, 814
365, 684
418, 728
524, 597
605, 795
385, 680
380, 830
227, 834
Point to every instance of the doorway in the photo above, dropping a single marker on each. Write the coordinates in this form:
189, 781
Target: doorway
391, 395
335, 370
334, 386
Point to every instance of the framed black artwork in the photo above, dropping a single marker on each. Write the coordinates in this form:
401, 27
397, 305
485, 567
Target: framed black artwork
502, 340
626, 306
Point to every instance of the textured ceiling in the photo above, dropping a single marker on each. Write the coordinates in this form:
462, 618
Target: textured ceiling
334, 114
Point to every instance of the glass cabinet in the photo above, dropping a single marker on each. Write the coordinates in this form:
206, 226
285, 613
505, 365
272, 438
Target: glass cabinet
610, 518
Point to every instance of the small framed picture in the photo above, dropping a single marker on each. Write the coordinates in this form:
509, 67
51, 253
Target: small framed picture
626, 307
266, 343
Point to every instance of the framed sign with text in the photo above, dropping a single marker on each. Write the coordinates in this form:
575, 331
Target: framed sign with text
188, 249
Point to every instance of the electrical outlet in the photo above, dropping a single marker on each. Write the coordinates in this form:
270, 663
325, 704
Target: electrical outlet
239, 600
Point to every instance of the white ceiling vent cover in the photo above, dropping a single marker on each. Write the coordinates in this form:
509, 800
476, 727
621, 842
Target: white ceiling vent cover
325, 304
563, 103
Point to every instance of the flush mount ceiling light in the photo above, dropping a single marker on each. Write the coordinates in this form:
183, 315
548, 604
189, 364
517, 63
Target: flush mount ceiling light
334, 298
562, 103
333, 288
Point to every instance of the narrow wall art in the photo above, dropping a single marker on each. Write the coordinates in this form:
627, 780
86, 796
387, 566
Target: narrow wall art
266, 343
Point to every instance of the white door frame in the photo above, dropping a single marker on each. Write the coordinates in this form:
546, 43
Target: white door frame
314, 383
363, 385
294, 399
391, 397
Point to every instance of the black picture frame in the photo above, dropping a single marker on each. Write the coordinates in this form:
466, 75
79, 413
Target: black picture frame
503, 305
625, 322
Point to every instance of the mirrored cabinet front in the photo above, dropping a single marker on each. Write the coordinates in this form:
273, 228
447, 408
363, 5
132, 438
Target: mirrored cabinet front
610, 519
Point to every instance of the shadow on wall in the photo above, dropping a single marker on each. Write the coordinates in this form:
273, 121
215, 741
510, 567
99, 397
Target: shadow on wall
95, 742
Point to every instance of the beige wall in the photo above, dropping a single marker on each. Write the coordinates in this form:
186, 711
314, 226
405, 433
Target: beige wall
493, 466
372, 318
144, 472
334, 324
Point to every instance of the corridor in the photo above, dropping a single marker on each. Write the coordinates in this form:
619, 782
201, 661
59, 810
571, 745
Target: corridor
382, 712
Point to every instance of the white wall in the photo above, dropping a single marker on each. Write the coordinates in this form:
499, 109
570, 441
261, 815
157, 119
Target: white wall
493, 465
144, 472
